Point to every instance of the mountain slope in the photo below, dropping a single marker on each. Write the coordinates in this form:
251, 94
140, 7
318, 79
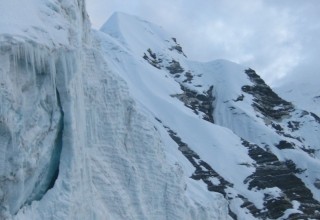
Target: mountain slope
302, 90
201, 96
119, 124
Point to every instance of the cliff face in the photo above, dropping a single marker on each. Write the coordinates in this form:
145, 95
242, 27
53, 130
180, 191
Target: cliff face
119, 124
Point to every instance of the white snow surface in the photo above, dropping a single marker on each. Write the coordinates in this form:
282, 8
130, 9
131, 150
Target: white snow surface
117, 158
51, 23
303, 91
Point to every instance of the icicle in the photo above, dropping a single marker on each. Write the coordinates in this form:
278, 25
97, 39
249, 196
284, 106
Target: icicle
33, 69
52, 72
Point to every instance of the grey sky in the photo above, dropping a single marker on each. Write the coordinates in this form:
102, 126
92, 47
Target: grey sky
275, 37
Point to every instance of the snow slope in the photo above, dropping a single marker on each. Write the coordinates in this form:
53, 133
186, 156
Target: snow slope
195, 103
302, 90
119, 124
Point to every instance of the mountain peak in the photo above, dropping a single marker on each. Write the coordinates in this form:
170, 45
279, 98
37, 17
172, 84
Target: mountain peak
121, 19
138, 35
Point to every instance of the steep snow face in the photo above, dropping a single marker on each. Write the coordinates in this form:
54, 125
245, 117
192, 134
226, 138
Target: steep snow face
74, 144
195, 103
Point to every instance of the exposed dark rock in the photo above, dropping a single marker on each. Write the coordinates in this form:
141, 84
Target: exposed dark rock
265, 100
294, 125
188, 76
239, 98
282, 133
292, 166
298, 216
153, 55
309, 150
177, 47
277, 127
315, 117
203, 170
198, 102
276, 206
285, 145
158, 120
270, 172
145, 56
152, 59
251, 207
232, 214
175, 67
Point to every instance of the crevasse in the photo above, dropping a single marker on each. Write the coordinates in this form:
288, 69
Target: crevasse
31, 120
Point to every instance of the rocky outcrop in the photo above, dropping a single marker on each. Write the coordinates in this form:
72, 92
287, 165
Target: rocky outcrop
177, 47
266, 101
199, 103
272, 173
152, 59
175, 67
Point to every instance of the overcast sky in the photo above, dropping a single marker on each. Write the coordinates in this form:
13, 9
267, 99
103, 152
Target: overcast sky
275, 37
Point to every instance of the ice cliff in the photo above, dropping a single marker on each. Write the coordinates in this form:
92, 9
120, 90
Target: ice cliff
120, 124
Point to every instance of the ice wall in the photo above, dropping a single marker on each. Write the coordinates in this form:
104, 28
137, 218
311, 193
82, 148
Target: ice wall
30, 121
34, 57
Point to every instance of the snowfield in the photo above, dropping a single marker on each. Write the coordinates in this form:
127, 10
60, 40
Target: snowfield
118, 123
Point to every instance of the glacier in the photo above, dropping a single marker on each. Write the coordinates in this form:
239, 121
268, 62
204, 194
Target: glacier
118, 123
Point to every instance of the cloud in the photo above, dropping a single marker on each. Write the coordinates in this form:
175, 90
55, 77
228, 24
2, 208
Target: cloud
274, 37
